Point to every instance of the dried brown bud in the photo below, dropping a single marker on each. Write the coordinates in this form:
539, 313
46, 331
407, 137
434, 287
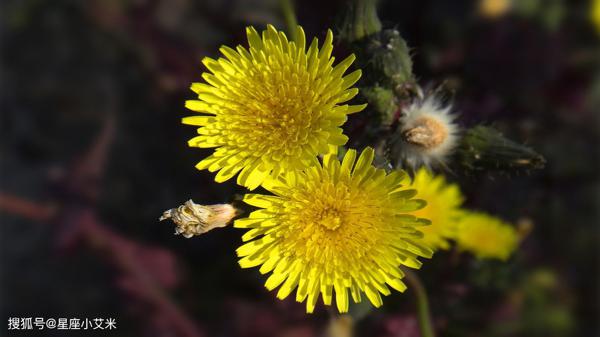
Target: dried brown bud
193, 219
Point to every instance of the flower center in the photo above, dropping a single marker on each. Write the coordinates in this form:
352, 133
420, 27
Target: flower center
427, 132
330, 219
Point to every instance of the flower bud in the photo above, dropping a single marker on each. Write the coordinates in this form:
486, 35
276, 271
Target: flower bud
359, 20
485, 148
193, 219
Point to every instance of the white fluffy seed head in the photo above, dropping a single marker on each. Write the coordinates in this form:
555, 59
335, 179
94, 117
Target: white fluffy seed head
427, 134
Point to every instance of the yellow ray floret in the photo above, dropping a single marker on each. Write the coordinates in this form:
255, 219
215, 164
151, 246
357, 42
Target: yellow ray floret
272, 107
340, 228
443, 208
486, 236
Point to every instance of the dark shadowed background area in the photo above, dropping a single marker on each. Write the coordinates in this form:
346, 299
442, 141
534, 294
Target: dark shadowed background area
92, 151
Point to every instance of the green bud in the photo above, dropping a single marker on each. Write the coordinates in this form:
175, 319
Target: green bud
485, 148
382, 54
384, 57
388, 56
385, 60
359, 20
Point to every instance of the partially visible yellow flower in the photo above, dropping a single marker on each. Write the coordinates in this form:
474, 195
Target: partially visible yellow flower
340, 227
486, 236
595, 13
494, 8
272, 107
443, 208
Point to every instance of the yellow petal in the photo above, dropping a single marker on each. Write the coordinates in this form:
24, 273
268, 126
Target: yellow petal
341, 297
262, 201
275, 280
373, 296
198, 106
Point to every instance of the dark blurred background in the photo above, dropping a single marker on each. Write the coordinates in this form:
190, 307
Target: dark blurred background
92, 151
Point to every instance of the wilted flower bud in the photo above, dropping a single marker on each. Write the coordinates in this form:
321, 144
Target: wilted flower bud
426, 134
193, 219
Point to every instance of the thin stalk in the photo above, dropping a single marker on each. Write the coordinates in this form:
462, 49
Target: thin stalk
289, 16
423, 313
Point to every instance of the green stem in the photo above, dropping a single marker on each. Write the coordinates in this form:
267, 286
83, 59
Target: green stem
422, 304
289, 16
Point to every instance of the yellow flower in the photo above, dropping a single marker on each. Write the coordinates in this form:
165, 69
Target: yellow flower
494, 8
272, 107
443, 208
595, 14
335, 226
486, 236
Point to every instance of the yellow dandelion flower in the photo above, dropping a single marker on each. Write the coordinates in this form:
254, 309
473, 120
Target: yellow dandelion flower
334, 226
486, 236
272, 107
442, 209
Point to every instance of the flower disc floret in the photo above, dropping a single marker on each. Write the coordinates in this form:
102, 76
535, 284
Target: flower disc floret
338, 227
272, 107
